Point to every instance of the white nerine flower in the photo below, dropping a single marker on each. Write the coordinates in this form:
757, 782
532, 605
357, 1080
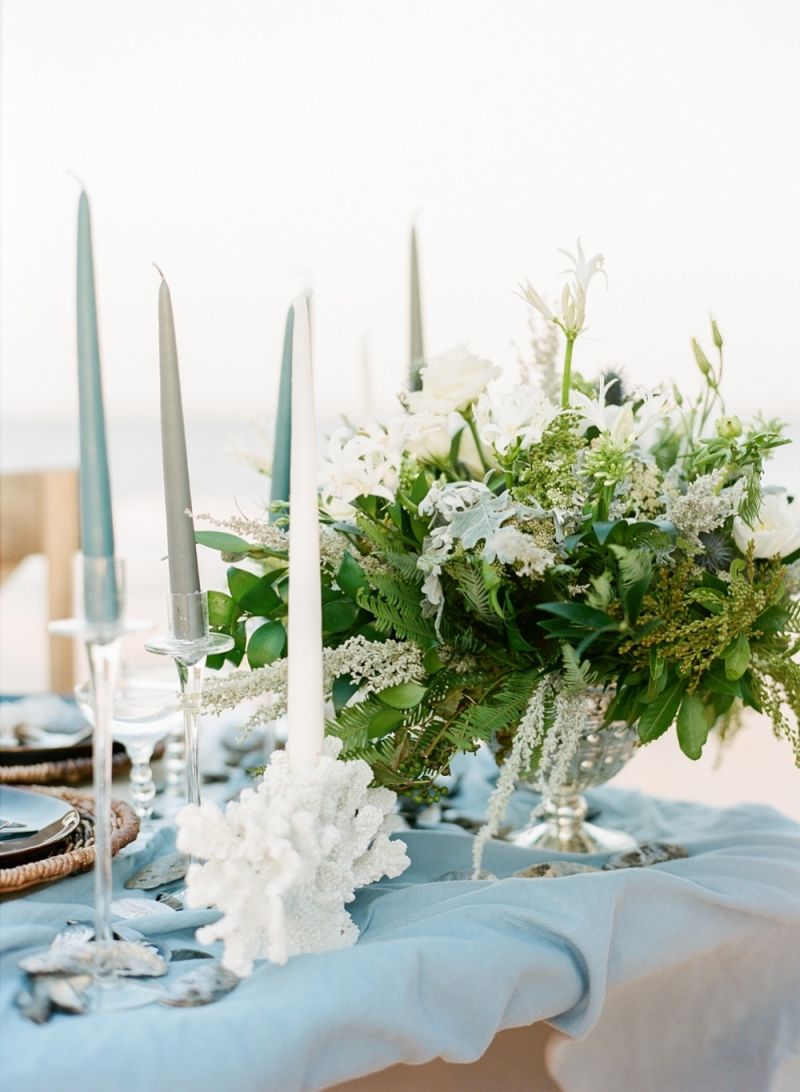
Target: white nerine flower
776, 531
517, 416
624, 424
363, 463
451, 381
573, 297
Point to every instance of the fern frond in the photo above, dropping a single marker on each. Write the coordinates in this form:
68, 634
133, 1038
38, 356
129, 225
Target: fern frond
634, 565
577, 675
503, 710
405, 564
382, 536
402, 620
751, 500
472, 587
392, 589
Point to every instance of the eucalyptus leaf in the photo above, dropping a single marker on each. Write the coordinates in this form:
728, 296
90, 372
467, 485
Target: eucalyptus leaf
339, 616
737, 658
692, 725
579, 613
223, 541
403, 696
350, 576
717, 682
221, 609
266, 644
240, 581
432, 661
660, 712
261, 599
384, 722
604, 529
342, 691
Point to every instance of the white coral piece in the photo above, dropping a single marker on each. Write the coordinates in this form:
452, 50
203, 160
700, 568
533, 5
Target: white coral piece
283, 860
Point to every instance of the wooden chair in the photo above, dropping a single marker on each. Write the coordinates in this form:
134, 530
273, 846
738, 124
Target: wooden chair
39, 515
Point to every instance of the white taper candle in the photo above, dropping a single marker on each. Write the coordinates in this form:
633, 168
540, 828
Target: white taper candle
306, 715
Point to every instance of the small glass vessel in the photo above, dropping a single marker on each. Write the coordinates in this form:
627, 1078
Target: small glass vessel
146, 710
558, 823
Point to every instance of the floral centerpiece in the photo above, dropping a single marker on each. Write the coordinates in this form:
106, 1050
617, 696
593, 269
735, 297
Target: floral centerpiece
490, 553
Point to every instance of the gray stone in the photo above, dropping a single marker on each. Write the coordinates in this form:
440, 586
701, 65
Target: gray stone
44, 994
163, 870
647, 853
201, 987
554, 870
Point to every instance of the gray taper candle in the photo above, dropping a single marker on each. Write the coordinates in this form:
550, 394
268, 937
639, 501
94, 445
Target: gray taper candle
184, 578
417, 348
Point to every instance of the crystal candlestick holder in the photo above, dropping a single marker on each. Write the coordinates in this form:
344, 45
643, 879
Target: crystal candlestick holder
101, 630
145, 712
189, 643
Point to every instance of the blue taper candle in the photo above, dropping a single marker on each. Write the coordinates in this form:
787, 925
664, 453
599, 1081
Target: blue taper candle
281, 456
97, 529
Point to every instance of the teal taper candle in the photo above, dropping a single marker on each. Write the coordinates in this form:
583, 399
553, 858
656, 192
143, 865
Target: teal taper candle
101, 604
184, 578
281, 457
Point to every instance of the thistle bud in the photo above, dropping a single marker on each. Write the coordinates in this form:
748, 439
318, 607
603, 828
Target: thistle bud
716, 335
728, 428
701, 358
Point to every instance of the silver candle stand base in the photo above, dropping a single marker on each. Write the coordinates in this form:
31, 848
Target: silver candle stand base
558, 822
108, 990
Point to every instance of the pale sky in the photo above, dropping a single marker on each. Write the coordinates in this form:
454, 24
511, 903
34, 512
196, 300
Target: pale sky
251, 148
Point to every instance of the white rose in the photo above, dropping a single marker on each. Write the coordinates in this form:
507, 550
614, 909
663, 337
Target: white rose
451, 381
776, 532
430, 436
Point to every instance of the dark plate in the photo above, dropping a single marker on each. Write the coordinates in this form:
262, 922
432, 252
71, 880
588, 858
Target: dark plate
43, 822
27, 754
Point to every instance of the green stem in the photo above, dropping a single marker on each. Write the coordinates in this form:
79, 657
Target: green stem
473, 429
566, 380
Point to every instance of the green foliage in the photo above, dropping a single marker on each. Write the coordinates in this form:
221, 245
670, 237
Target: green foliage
677, 620
266, 644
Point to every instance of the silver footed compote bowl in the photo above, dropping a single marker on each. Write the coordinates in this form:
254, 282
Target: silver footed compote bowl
558, 822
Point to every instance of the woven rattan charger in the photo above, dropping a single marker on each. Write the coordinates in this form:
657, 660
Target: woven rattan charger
61, 771
76, 852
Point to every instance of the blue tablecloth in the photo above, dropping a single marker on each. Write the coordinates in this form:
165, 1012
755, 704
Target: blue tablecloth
442, 966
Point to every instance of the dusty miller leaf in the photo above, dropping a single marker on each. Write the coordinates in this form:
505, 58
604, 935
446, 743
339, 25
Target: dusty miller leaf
481, 520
